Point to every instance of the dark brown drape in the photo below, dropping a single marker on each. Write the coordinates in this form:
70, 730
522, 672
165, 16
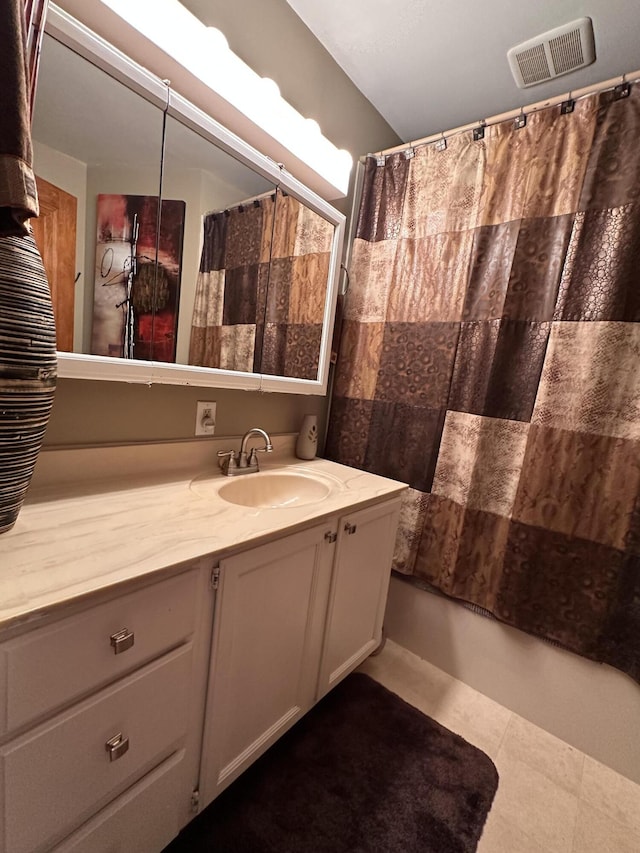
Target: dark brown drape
490, 358
35, 12
18, 194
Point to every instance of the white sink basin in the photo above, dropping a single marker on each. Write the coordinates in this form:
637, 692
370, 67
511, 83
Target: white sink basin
274, 489
268, 489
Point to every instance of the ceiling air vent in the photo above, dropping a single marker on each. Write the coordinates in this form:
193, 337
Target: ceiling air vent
551, 54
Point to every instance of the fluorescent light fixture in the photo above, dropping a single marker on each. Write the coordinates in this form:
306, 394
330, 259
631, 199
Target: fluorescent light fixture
205, 53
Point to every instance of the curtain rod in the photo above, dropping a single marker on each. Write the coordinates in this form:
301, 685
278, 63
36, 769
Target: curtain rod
246, 203
496, 119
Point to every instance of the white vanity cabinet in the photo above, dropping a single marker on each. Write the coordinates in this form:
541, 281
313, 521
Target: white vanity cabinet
100, 723
140, 677
268, 633
293, 617
359, 587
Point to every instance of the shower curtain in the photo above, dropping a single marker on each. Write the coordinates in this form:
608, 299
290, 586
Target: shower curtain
298, 276
261, 288
490, 358
231, 287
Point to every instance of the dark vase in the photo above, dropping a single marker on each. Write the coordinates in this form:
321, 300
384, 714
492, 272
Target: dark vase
27, 369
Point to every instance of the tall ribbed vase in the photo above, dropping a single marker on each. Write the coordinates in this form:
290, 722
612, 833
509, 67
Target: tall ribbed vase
27, 369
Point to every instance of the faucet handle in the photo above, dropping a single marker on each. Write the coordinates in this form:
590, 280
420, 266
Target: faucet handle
227, 459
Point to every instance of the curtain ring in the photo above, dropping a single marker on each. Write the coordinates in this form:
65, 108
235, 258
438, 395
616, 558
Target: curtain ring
623, 90
568, 105
478, 132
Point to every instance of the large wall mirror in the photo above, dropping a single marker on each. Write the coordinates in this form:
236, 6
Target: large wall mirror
175, 252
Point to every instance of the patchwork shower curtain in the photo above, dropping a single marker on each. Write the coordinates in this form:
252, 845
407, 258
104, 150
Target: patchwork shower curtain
232, 284
261, 288
298, 276
490, 357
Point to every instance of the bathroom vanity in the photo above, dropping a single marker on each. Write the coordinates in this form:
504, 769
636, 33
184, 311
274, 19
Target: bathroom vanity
156, 639
159, 629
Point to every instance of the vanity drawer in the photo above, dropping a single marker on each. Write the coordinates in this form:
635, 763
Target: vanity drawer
53, 666
61, 773
144, 819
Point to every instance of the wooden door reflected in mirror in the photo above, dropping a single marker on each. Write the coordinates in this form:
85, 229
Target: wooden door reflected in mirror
54, 231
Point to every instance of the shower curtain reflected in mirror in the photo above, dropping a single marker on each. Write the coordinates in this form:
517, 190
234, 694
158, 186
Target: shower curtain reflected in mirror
489, 358
261, 290
231, 287
297, 291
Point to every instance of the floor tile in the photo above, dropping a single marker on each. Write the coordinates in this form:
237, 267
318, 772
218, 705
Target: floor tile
503, 836
475, 717
405, 673
542, 811
551, 797
555, 759
598, 833
614, 795
478, 719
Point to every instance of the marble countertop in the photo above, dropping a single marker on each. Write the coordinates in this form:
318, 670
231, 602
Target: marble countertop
75, 539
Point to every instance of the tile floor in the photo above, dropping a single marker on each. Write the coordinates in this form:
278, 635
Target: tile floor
551, 798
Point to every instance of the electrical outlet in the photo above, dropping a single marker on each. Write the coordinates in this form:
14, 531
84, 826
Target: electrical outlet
205, 418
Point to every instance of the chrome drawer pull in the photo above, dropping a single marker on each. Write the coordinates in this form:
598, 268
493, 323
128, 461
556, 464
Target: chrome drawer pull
116, 746
350, 528
122, 640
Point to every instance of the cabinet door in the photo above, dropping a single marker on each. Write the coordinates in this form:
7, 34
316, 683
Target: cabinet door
268, 632
359, 587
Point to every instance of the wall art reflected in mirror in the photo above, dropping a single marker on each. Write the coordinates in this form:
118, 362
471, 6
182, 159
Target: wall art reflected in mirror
136, 283
168, 241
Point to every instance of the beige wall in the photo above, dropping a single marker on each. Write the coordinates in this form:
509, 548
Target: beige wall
86, 412
270, 37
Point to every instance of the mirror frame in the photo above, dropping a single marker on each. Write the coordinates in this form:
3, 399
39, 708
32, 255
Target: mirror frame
70, 32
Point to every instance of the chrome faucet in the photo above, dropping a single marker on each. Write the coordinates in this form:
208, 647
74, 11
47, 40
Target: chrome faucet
233, 466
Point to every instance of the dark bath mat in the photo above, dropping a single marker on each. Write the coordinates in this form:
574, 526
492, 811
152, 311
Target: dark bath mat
362, 772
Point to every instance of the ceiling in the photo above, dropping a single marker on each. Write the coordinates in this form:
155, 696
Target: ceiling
431, 65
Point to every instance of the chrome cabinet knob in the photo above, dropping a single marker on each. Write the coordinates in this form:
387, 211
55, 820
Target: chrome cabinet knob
122, 640
350, 528
330, 536
116, 746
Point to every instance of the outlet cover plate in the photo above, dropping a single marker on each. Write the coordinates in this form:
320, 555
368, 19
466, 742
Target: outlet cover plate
205, 418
